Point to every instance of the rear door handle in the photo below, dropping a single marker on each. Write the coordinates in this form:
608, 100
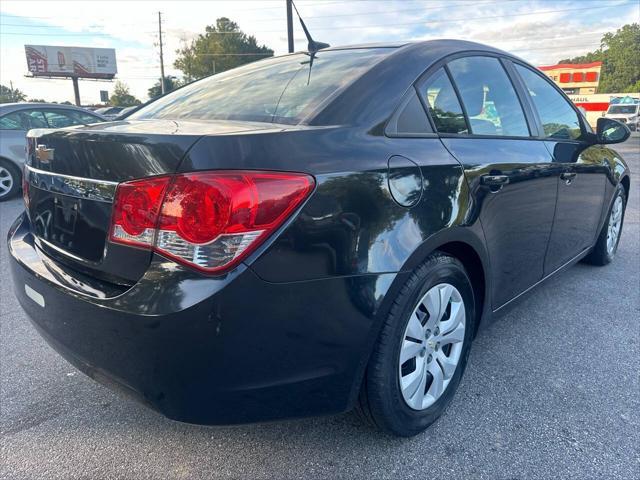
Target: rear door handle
568, 177
494, 180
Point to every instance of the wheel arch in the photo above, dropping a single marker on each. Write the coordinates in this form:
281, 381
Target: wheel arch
464, 243
472, 263
467, 245
4, 159
625, 181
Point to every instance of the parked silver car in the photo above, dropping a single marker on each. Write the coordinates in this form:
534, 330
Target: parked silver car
16, 119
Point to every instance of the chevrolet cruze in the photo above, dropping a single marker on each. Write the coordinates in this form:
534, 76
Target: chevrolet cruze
294, 238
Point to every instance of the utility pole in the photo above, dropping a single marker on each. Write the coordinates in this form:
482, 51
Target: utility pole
76, 90
290, 26
161, 56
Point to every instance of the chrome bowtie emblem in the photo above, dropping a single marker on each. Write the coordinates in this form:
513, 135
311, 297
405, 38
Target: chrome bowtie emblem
44, 154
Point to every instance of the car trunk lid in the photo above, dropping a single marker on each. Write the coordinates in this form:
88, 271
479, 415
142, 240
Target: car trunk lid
72, 175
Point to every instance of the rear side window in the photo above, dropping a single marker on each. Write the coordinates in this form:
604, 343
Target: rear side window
410, 119
282, 89
23, 120
443, 104
67, 118
488, 96
11, 121
559, 119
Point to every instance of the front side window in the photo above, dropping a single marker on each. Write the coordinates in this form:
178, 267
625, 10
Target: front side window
443, 104
282, 89
59, 119
559, 119
488, 96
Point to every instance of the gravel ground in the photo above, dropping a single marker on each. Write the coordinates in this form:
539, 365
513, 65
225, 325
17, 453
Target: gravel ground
552, 391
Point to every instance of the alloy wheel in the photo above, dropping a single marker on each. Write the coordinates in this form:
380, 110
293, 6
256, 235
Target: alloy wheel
6, 181
615, 222
431, 346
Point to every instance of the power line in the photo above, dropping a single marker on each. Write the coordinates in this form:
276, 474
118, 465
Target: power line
75, 34
308, 4
425, 23
401, 10
468, 19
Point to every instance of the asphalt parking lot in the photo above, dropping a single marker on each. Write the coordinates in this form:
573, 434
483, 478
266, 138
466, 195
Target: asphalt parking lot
552, 391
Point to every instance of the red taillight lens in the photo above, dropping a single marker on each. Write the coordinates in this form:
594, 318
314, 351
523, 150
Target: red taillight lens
209, 220
135, 211
25, 187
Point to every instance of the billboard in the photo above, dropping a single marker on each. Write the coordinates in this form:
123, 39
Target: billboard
81, 62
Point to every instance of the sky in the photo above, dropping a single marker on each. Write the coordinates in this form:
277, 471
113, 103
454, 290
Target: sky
540, 31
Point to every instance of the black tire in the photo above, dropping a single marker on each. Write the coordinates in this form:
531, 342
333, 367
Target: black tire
16, 179
381, 401
600, 255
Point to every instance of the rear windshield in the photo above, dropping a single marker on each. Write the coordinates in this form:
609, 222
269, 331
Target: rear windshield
281, 89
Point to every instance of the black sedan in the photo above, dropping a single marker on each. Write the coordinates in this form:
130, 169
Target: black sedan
299, 237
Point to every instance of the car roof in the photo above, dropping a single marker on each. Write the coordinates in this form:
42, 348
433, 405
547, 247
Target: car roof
13, 107
452, 45
378, 91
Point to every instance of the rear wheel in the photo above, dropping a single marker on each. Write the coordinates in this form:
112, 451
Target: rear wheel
9, 180
607, 244
422, 350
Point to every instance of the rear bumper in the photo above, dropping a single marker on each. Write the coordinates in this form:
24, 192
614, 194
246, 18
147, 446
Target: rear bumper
208, 350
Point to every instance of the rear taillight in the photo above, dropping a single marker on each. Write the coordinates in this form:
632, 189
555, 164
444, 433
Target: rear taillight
135, 211
25, 187
209, 220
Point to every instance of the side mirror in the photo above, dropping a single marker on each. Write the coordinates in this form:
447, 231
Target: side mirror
609, 130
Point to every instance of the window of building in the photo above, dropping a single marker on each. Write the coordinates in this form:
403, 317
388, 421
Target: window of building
578, 77
592, 76
565, 77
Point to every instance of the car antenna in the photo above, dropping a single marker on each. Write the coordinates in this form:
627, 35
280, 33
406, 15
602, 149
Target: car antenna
312, 46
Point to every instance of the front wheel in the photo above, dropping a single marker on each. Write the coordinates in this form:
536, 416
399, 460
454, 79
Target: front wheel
422, 350
607, 244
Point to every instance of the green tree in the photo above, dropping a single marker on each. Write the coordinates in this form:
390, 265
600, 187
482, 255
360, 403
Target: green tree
37, 100
10, 95
170, 83
222, 47
122, 96
618, 53
635, 88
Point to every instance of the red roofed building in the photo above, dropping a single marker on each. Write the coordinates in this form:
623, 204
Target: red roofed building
575, 78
